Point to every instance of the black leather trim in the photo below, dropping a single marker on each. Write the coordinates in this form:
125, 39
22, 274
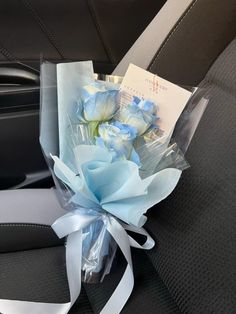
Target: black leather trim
34, 275
49, 29
198, 38
99, 31
20, 237
49, 35
122, 21
6, 53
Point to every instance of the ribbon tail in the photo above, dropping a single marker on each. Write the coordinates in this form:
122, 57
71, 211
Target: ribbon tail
149, 243
74, 264
125, 287
23, 307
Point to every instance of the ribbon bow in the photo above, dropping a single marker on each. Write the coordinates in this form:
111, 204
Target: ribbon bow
72, 225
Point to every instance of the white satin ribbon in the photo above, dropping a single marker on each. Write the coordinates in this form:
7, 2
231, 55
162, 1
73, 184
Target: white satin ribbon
71, 225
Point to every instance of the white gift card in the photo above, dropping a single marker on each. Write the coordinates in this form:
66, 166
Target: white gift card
170, 98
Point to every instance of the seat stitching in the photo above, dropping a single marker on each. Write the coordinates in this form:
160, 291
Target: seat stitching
95, 20
6, 53
162, 280
172, 33
24, 225
213, 81
48, 34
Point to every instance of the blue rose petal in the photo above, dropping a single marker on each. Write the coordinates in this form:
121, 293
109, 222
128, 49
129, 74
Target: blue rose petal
118, 138
140, 114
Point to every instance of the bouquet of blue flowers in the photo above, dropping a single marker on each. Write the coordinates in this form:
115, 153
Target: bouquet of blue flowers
115, 148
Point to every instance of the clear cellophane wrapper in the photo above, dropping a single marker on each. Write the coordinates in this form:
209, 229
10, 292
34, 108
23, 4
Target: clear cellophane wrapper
156, 152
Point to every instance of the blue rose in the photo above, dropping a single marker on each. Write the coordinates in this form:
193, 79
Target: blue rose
118, 138
98, 102
140, 114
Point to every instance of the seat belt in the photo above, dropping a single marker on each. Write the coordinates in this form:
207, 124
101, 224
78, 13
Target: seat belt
145, 48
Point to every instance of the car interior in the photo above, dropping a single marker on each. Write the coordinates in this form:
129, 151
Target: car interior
192, 268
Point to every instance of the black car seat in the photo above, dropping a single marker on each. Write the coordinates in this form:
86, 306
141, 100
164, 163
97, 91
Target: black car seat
79, 30
58, 31
192, 268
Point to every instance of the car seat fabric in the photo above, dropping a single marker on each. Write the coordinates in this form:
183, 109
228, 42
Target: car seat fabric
195, 227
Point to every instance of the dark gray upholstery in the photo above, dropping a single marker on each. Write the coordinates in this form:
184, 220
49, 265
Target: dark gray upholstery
36, 275
149, 296
201, 34
21, 237
195, 227
99, 30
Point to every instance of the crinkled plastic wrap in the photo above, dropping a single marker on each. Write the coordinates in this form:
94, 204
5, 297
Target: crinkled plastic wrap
155, 150
98, 246
159, 151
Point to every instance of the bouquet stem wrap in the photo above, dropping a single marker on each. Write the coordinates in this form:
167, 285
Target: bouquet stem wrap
71, 225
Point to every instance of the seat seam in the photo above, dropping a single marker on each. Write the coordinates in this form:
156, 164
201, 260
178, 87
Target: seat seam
88, 299
171, 34
6, 53
164, 284
47, 33
214, 82
24, 225
95, 20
